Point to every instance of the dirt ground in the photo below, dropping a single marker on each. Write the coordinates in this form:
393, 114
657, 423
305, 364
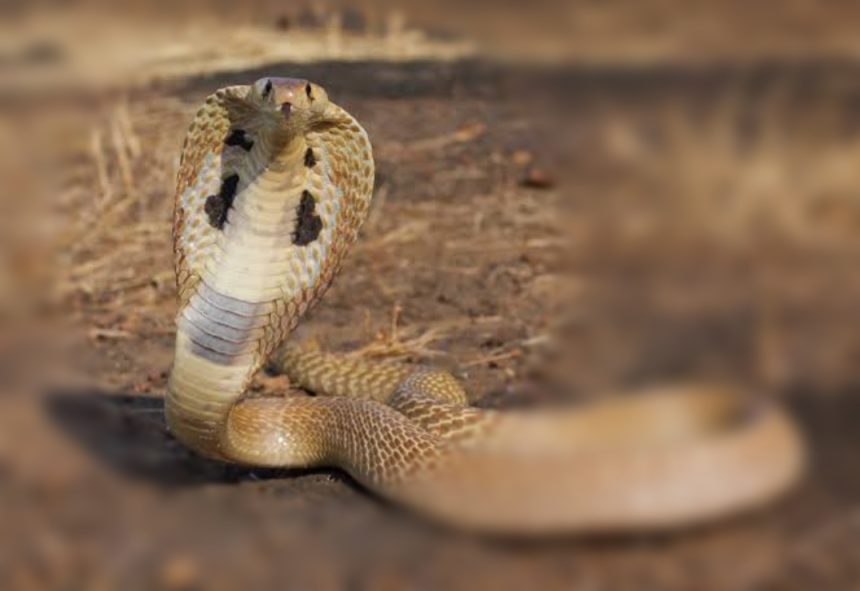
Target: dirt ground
651, 223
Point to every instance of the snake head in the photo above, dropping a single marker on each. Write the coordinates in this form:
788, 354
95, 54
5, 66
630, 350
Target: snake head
293, 101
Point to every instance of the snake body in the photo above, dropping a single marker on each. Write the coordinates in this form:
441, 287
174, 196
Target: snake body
275, 181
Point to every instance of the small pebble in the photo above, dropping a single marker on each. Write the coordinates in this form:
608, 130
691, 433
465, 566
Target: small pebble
179, 573
537, 178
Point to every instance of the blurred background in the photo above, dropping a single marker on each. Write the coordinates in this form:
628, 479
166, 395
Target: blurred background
572, 198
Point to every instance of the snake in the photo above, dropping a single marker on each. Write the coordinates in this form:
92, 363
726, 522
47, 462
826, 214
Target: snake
274, 183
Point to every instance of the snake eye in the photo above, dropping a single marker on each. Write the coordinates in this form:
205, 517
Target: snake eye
286, 109
308, 91
267, 88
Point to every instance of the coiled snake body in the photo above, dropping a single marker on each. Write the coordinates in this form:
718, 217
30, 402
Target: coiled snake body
274, 183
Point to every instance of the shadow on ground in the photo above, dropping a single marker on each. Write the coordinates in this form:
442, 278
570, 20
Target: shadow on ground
128, 433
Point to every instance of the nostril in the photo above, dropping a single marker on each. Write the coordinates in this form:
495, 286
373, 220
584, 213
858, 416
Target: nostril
286, 108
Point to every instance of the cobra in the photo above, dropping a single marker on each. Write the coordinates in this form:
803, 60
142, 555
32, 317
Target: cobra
274, 183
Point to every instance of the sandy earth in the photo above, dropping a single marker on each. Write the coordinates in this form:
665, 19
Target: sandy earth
485, 231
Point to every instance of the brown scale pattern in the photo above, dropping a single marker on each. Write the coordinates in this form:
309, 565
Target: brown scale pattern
669, 458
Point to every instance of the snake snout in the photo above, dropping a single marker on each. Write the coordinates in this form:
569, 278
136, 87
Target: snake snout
286, 93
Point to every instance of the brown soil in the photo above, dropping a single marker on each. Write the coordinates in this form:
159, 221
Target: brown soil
649, 234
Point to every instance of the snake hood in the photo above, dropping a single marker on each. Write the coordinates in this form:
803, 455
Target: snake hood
274, 183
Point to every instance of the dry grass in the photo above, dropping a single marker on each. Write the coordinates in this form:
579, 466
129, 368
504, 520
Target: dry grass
397, 343
100, 48
808, 193
797, 183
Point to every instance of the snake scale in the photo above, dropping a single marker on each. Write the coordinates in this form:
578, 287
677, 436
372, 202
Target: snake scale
274, 183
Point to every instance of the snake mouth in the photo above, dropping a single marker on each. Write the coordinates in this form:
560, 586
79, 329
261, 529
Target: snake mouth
286, 109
